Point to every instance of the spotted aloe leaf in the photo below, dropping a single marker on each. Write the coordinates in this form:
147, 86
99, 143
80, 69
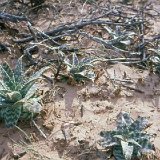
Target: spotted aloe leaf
2, 85
38, 74
3, 104
3, 93
127, 150
17, 94
27, 86
33, 105
10, 96
19, 73
32, 91
11, 115
75, 60
87, 62
140, 124
109, 139
123, 120
13, 96
80, 70
7, 75
128, 141
118, 153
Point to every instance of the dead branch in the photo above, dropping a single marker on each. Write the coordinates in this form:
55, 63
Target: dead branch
70, 27
28, 54
106, 43
12, 18
142, 45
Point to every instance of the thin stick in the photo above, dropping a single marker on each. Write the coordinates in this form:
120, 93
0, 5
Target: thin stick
132, 88
42, 133
142, 33
28, 138
122, 80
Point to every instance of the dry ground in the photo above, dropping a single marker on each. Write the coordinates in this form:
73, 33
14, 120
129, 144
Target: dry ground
81, 111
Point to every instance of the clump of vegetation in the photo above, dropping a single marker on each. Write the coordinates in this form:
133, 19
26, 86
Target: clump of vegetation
128, 141
17, 94
36, 3
120, 39
79, 70
88, 1
155, 60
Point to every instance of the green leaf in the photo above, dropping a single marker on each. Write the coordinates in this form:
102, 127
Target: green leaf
118, 153
123, 120
2, 85
79, 77
38, 74
88, 60
91, 75
67, 62
31, 91
132, 141
10, 96
25, 115
16, 97
81, 70
75, 60
140, 124
26, 87
108, 138
3, 93
11, 115
126, 42
119, 137
7, 75
127, 150
146, 144
13, 96
33, 105
139, 136
129, 142
4, 104
18, 72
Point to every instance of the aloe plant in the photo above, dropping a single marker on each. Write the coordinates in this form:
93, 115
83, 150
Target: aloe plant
128, 141
120, 39
79, 70
155, 59
17, 94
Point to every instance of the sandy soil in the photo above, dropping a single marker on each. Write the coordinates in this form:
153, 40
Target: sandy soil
81, 111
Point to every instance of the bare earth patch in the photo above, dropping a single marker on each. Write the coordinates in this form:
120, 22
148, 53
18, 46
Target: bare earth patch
74, 115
